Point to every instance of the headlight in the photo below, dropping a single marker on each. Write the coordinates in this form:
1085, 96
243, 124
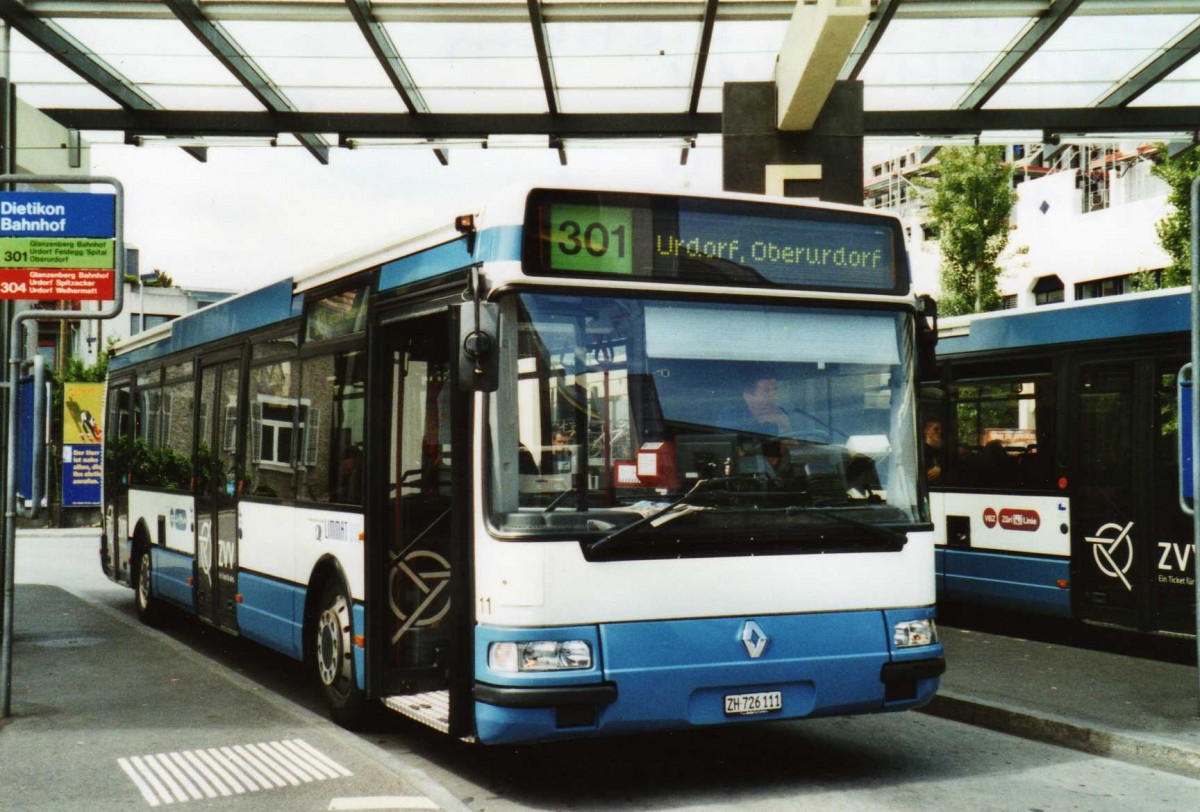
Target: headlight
914, 633
540, 655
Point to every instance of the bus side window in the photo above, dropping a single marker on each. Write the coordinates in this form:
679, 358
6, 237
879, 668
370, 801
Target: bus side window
1001, 431
330, 442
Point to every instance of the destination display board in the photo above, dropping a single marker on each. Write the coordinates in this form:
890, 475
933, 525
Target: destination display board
57, 245
706, 241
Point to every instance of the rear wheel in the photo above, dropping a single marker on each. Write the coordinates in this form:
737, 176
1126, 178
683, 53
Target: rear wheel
149, 608
333, 653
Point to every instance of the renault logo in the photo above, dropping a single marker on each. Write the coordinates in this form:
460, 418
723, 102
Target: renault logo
755, 640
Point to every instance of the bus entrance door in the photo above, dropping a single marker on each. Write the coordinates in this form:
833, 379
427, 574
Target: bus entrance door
417, 554
1131, 542
216, 495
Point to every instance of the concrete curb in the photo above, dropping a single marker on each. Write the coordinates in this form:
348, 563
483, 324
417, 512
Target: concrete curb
32, 533
1140, 749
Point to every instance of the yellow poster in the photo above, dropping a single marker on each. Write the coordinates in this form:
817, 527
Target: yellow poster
83, 408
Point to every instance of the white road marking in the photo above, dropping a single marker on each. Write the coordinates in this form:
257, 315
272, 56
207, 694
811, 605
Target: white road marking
176, 777
145, 789
197, 779
324, 759
382, 802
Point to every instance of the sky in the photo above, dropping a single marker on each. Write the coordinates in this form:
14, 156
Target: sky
253, 215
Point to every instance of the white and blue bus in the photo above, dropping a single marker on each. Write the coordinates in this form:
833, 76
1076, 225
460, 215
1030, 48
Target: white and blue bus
580, 463
1055, 490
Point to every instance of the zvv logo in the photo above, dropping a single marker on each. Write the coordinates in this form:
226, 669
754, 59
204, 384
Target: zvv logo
1114, 555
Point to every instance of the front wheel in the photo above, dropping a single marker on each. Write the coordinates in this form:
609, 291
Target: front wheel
334, 657
149, 608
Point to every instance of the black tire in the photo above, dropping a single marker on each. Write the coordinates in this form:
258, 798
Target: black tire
149, 608
333, 656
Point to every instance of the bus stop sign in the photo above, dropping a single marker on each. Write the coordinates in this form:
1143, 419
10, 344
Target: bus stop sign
57, 246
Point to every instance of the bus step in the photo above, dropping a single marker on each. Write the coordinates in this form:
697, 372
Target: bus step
432, 709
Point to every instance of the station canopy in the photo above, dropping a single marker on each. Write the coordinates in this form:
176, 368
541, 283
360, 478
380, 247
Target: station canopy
329, 73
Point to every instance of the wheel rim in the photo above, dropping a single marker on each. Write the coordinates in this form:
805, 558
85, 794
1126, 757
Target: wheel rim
333, 643
144, 581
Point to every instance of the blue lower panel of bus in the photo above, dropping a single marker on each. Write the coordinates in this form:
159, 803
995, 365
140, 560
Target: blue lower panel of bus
171, 573
272, 613
1004, 581
663, 675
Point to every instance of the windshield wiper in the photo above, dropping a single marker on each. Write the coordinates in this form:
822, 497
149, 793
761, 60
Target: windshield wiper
607, 540
838, 518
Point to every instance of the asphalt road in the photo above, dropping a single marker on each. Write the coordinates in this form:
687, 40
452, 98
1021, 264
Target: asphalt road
906, 761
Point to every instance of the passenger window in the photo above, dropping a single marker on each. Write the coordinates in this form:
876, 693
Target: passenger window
176, 411
335, 316
275, 420
332, 410
1003, 435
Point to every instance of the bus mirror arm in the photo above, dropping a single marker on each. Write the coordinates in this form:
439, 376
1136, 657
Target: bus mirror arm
927, 336
478, 355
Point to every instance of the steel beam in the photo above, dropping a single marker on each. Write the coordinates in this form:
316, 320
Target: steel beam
1177, 54
876, 25
1018, 54
541, 41
66, 49
56, 42
237, 62
389, 59
1062, 120
389, 125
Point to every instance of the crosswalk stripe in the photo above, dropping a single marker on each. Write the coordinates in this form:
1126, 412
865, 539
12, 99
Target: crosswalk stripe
160, 771
138, 781
197, 779
209, 757
180, 776
308, 748
324, 770
181, 779
148, 774
264, 754
245, 770
296, 765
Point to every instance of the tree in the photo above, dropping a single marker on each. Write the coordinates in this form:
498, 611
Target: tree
969, 202
1175, 229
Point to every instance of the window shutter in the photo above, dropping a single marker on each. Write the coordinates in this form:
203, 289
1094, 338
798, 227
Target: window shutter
256, 429
205, 437
312, 433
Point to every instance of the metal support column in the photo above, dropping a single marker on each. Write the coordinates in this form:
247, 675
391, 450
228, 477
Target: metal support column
1195, 415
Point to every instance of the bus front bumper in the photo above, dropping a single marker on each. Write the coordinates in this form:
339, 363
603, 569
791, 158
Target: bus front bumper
669, 675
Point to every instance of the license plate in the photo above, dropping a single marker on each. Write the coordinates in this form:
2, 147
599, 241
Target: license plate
751, 704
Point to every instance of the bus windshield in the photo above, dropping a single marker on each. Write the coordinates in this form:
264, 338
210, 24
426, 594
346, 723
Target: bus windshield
776, 423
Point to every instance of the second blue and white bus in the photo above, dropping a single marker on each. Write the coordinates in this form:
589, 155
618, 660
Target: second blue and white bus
499, 478
1058, 490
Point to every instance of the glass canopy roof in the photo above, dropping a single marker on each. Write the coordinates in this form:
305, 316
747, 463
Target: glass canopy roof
621, 57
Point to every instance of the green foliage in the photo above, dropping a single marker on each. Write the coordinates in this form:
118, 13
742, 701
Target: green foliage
1174, 230
162, 279
969, 203
146, 465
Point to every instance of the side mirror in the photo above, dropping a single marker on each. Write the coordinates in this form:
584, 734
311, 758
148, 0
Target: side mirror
478, 346
927, 336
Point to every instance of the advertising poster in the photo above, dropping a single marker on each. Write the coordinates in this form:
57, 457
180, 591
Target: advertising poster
83, 452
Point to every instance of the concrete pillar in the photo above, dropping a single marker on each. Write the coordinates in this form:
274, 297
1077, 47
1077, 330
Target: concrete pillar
825, 162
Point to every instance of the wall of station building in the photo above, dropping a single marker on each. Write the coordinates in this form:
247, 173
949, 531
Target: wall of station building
1057, 231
